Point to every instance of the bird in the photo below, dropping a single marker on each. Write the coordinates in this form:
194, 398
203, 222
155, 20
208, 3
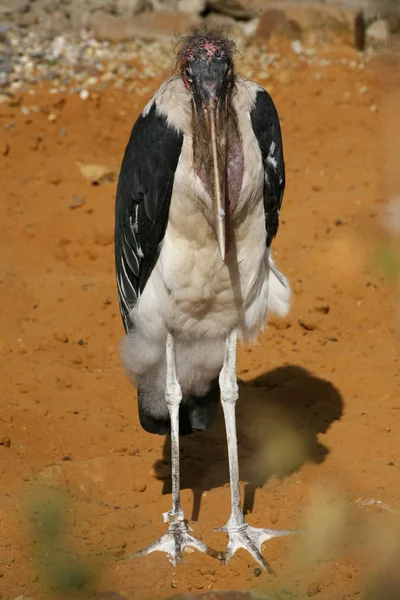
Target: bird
198, 200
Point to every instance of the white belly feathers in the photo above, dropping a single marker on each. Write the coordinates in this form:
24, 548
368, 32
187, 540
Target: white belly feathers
191, 291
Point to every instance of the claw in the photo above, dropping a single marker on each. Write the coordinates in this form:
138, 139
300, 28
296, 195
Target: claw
252, 540
174, 542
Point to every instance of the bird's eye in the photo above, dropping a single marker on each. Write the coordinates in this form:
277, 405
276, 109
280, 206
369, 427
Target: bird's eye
188, 76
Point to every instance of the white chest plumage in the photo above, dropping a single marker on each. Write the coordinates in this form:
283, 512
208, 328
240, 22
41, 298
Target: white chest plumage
191, 291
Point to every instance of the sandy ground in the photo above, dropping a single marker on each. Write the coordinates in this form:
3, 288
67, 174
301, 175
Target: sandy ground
319, 410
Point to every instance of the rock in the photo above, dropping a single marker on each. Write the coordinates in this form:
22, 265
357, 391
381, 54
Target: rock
324, 309
274, 515
5, 441
309, 23
313, 588
76, 202
61, 336
226, 23
232, 8
4, 148
14, 7
378, 32
191, 6
146, 25
274, 21
97, 173
139, 486
307, 324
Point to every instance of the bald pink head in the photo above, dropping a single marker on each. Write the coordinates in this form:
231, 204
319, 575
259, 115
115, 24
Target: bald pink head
205, 56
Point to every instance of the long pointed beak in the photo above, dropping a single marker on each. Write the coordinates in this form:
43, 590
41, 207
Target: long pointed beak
219, 185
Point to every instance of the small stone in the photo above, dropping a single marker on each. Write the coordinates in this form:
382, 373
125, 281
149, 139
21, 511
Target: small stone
83, 94
76, 202
307, 324
160, 470
373, 108
139, 486
97, 174
52, 117
5, 441
274, 516
257, 572
4, 148
61, 336
322, 309
313, 588
297, 47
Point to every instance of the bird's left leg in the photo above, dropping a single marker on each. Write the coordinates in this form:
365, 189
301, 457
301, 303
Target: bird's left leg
177, 536
241, 535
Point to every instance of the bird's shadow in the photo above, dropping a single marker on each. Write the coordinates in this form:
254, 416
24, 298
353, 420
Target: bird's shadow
279, 417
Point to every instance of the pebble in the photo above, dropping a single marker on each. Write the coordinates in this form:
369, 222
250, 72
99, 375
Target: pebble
274, 516
5, 441
307, 324
97, 173
313, 588
324, 309
78, 61
76, 202
61, 336
4, 148
139, 486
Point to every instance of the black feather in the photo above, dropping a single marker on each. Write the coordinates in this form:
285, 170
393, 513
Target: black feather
266, 127
142, 204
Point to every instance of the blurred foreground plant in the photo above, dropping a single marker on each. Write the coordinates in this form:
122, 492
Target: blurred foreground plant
58, 563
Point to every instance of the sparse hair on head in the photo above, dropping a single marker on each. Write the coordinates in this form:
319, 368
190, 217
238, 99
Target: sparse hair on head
204, 34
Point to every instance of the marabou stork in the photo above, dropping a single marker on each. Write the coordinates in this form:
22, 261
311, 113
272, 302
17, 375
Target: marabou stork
197, 207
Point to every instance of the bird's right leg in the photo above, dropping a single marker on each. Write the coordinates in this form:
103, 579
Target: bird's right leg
177, 536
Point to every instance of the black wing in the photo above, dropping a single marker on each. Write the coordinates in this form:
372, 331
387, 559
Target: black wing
266, 127
142, 204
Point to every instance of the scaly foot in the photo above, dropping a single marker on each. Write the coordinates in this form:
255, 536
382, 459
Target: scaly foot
175, 541
252, 539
